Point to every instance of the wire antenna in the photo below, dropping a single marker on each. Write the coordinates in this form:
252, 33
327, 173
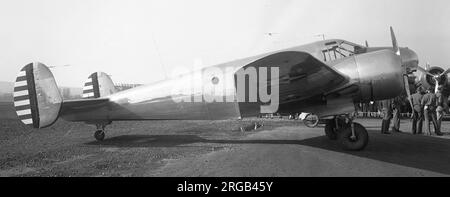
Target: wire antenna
161, 61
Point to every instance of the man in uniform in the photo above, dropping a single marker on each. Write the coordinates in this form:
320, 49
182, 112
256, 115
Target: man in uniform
417, 111
429, 110
387, 115
439, 108
396, 105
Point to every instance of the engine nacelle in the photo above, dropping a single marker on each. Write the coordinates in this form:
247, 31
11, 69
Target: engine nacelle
379, 73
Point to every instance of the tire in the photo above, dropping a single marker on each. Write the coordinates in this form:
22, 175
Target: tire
99, 135
330, 130
361, 141
309, 123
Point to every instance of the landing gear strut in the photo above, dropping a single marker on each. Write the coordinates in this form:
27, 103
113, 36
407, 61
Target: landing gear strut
100, 132
351, 135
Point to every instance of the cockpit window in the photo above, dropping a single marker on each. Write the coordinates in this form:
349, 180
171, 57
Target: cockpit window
337, 50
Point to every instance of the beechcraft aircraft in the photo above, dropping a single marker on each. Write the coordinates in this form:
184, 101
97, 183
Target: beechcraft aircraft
324, 78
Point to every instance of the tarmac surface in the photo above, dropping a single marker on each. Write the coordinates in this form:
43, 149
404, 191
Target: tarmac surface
218, 148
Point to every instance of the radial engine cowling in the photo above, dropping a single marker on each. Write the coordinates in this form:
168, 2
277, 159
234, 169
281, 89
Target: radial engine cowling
435, 71
379, 73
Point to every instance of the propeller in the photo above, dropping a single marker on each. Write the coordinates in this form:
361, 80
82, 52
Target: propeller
408, 91
367, 44
423, 70
436, 77
405, 75
394, 42
436, 86
444, 73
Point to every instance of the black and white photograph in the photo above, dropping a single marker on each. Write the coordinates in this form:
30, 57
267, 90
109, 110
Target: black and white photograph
224, 89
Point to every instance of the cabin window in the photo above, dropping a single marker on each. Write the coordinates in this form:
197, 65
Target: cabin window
337, 50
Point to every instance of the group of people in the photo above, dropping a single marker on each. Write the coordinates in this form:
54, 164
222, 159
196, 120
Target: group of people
428, 106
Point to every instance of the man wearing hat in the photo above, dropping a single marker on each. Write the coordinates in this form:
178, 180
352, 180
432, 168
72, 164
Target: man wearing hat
417, 110
440, 107
387, 115
429, 111
396, 108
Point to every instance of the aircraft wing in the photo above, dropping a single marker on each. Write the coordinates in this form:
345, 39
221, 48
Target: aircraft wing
302, 75
303, 80
83, 104
82, 109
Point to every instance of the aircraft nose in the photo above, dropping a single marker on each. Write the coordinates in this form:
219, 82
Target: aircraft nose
410, 60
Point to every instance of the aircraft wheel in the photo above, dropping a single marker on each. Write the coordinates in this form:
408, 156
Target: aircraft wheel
330, 130
355, 143
311, 120
99, 135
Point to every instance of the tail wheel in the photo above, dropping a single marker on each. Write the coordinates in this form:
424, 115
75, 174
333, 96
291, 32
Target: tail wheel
99, 135
355, 142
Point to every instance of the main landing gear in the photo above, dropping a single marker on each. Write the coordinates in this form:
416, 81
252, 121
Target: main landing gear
351, 135
100, 132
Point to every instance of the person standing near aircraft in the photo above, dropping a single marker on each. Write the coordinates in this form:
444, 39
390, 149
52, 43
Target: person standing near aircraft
417, 111
387, 115
439, 108
429, 111
396, 104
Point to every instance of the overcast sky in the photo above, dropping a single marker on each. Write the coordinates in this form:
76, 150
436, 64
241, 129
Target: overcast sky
140, 41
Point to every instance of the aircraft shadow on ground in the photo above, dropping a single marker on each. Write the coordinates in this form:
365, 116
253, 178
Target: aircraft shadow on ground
423, 152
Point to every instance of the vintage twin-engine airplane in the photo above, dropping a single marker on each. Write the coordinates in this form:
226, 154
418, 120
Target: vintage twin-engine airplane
324, 78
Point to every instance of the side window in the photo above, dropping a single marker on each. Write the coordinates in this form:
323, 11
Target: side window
346, 49
334, 51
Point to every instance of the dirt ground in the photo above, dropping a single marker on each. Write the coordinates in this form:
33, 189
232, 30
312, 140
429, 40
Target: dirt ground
214, 148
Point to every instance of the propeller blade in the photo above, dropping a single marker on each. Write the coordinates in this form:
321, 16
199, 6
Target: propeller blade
436, 86
445, 73
394, 42
367, 44
424, 71
408, 92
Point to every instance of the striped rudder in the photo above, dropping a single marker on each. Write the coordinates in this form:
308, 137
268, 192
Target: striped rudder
91, 89
36, 97
98, 85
